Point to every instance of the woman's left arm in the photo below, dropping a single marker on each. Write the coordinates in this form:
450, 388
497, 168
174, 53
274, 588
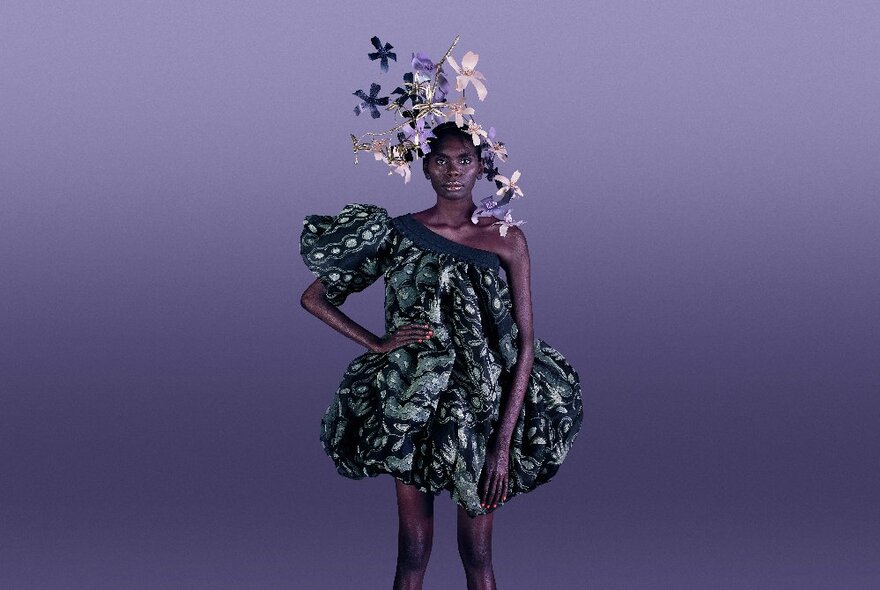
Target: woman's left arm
517, 268
516, 265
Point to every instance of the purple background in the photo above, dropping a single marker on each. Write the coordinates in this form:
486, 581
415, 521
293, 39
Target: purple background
701, 187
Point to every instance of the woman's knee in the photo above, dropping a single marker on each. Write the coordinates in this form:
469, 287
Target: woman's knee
475, 540
475, 553
414, 548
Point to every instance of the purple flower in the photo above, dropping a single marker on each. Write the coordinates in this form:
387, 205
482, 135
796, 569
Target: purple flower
417, 135
507, 222
422, 63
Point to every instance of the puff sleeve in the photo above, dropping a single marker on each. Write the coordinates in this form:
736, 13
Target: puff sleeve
344, 251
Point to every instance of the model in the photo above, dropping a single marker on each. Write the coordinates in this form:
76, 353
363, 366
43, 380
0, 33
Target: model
458, 394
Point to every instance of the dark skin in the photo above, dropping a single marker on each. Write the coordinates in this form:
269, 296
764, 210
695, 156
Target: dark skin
453, 167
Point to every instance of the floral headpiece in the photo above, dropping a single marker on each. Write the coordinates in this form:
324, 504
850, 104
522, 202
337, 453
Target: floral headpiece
422, 102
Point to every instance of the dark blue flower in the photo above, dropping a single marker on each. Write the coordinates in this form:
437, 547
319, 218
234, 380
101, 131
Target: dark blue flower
489, 167
371, 101
405, 92
383, 53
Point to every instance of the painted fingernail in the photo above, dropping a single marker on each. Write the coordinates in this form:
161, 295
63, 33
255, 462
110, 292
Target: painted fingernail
494, 505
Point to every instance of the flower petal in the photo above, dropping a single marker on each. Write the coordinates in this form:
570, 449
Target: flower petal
481, 88
453, 64
469, 61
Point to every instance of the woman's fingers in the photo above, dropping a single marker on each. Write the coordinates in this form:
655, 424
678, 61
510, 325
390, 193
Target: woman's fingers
410, 329
423, 330
410, 333
416, 327
492, 499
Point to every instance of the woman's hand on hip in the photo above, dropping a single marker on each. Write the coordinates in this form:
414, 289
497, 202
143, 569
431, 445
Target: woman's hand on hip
402, 335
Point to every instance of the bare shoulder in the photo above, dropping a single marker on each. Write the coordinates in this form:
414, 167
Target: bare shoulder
511, 248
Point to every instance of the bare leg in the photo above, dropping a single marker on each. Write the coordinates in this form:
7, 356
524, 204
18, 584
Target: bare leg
475, 549
415, 536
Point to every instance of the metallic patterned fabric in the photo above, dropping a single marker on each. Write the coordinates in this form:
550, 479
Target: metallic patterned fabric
425, 411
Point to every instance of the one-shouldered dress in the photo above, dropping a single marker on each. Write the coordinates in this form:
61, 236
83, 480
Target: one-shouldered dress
424, 412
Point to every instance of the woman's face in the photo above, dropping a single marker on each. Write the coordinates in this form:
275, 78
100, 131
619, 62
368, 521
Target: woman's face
453, 167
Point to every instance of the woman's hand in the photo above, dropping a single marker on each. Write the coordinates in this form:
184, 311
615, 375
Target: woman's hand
405, 334
493, 483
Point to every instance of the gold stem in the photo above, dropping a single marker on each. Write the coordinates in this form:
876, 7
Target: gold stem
439, 64
437, 67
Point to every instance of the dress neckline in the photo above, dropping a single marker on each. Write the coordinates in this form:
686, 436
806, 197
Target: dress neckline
422, 235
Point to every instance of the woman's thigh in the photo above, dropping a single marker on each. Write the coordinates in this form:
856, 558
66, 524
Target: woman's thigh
414, 507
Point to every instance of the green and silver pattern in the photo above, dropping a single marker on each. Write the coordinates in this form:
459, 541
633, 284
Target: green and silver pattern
425, 411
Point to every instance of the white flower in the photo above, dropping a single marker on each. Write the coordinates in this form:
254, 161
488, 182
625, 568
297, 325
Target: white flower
377, 148
499, 150
509, 184
401, 167
459, 109
476, 132
506, 223
467, 74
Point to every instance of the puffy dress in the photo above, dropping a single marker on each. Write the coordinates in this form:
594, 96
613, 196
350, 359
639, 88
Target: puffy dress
424, 412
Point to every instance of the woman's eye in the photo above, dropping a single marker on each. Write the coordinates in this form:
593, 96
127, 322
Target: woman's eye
466, 161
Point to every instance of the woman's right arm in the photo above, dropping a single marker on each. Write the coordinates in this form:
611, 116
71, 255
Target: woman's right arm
314, 300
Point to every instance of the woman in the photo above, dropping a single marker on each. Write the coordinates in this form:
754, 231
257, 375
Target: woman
458, 394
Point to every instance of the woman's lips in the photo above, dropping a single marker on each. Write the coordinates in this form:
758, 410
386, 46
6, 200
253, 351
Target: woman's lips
453, 186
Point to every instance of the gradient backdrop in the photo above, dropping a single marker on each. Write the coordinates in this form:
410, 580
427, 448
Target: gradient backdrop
701, 181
